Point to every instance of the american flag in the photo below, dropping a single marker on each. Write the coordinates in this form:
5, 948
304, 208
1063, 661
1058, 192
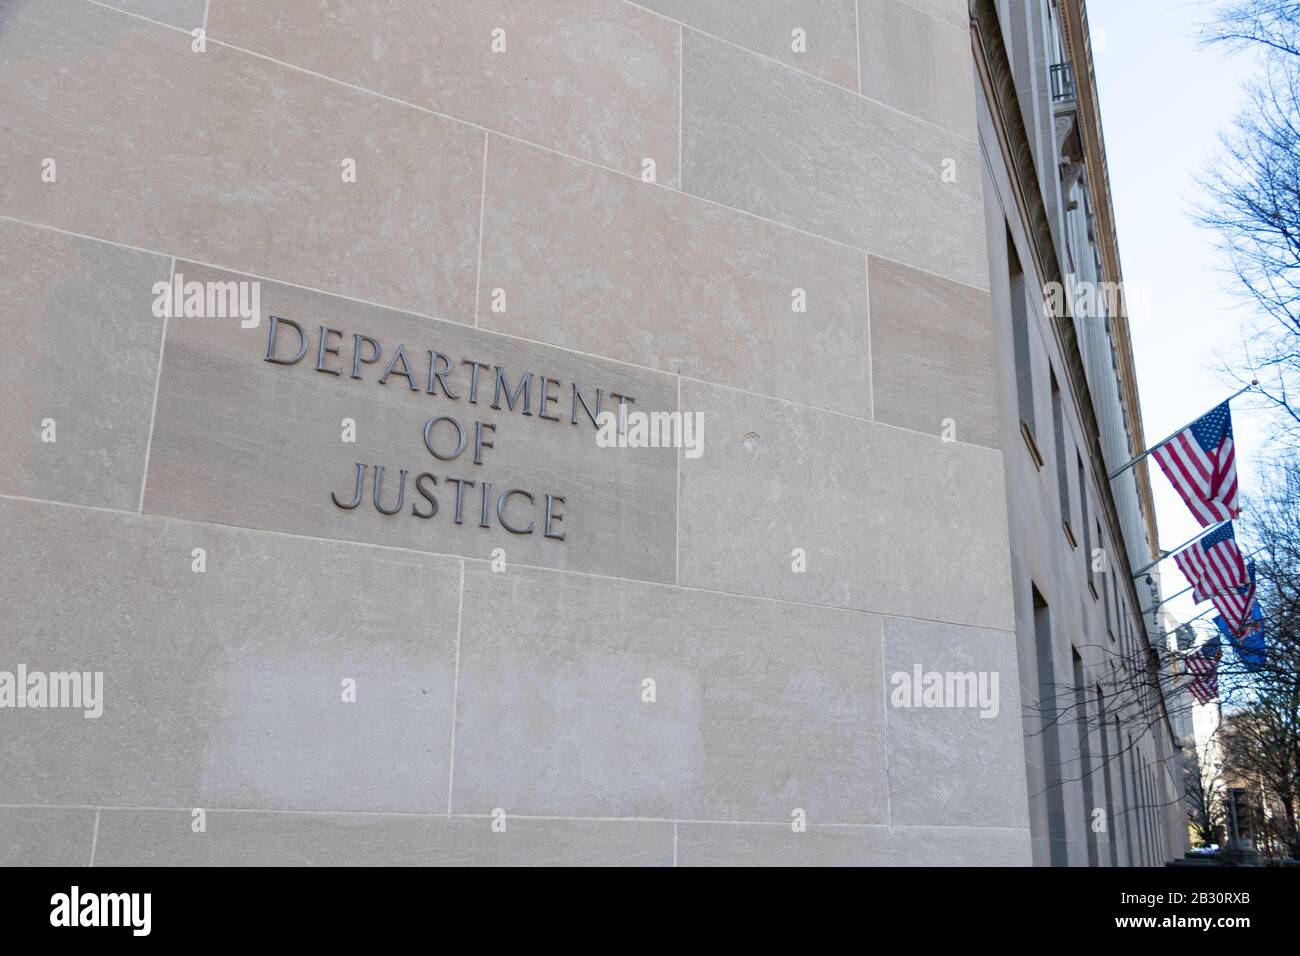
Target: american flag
1213, 564
1235, 603
1202, 465
1203, 666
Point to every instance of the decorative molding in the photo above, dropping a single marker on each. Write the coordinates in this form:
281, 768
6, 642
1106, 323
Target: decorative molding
1074, 16
1069, 145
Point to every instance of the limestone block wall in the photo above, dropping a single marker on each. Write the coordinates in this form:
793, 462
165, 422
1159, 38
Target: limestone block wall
486, 222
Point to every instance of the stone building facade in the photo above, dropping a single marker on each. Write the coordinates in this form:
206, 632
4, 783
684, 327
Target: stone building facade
313, 312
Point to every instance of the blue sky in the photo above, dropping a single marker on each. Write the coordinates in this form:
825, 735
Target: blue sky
1164, 99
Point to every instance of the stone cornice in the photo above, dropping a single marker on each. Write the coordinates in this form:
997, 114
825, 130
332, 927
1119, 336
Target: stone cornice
1079, 43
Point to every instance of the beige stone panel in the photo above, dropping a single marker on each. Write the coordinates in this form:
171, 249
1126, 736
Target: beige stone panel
918, 63
784, 146
954, 765
766, 27
242, 441
165, 838
186, 14
956, 12
765, 139
929, 197
889, 520
898, 56
592, 78
760, 706
46, 836
604, 264
224, 688
933, 354
716, 845
228, 158
83, 351
955, 78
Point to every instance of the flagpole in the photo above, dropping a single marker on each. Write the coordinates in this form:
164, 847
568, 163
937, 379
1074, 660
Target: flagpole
1123, 468
1156, 607
1190, 620
1186, 544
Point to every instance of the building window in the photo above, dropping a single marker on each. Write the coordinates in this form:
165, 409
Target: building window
1085, 757
1103, 727
1020, 336
1086, 524
1049, 733
1106, 593
1138, 802
1097, 567
1120, 752
1117, 602
1062, 474
1153, 834
1062, 76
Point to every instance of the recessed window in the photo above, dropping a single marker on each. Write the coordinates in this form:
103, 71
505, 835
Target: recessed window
1086, 523
1062, 465
1019, 292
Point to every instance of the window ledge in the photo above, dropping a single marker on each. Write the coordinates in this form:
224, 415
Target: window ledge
1027, 434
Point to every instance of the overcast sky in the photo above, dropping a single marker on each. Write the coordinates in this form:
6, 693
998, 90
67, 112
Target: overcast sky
1164, 100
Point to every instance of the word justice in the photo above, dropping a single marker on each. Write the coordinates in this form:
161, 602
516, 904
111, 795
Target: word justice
490, 502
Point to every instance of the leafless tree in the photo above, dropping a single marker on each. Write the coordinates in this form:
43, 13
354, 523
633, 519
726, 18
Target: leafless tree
1259, 737
1202, 791
1254, 197
1271, 24
1260, 742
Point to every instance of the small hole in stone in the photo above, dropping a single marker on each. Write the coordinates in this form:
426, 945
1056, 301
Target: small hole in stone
751, 441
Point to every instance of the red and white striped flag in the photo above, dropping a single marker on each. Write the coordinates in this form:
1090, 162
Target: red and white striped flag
1202, 465
1235, 604
1213, 564
1203, 666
